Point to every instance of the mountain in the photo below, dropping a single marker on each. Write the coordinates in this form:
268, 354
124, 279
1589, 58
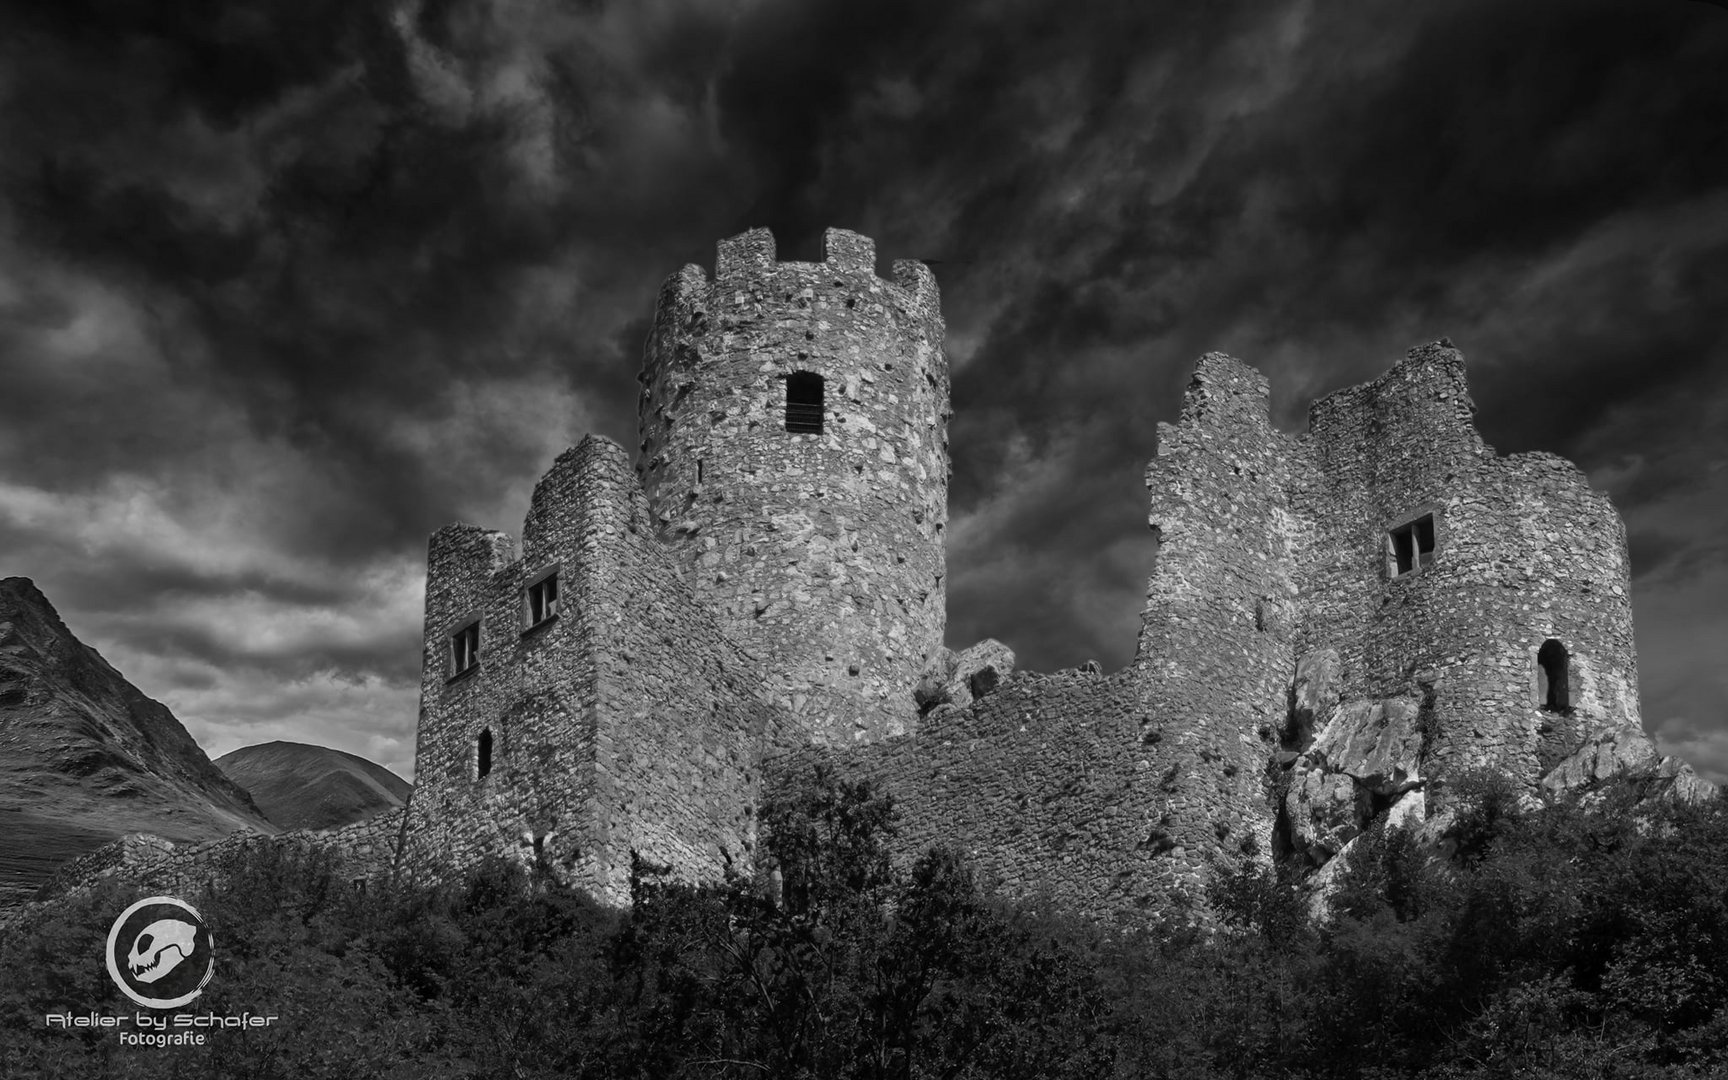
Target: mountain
86, 757
313, 787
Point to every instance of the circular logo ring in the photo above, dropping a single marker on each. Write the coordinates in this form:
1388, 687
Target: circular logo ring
157, 961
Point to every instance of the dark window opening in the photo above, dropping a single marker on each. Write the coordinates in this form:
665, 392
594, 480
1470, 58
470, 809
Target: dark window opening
700, 472
465, 649
804, 403
1411, 546
543, 599
483, 755
1551, 683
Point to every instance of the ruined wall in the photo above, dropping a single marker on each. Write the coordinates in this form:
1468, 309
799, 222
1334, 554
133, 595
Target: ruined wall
533, 691
364, 854
1524, 551
625, 721
1217, 639
822, 553
1045, 785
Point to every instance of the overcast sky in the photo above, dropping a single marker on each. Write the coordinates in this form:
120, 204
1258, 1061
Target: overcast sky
286, 286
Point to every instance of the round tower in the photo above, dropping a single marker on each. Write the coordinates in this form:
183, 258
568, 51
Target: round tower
794, 421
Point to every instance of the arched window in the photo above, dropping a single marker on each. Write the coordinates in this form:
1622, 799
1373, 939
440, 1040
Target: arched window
483, 755
804, 402
1551, 663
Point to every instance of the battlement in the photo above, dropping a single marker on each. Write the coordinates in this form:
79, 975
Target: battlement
750, 258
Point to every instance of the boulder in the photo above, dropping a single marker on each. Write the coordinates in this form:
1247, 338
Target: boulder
1314, 695
1621, 751
1322, 884
1366, 756
1377, 743
982, 668
1684, 784
1322, 810
1410, 810
958, 680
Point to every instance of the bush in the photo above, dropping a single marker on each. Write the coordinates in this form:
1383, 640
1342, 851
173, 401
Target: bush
1558, 941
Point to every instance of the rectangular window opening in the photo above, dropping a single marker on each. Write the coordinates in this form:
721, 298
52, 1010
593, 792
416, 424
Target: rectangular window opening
804, 402
1410, 546
543, 599
465, 649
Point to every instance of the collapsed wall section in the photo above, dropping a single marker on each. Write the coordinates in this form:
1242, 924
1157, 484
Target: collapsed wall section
566, 728
1523, 553
794, 454
1217, 642
361, 855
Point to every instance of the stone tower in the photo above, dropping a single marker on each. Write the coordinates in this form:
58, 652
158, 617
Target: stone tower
578, 707
793, 420
1494, 590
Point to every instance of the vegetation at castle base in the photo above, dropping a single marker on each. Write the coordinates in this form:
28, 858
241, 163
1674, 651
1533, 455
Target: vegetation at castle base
1549, 943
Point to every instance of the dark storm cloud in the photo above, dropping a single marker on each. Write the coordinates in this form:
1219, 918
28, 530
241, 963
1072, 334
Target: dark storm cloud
287, 286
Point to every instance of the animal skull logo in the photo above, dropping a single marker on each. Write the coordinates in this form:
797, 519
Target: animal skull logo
160, 953
159, 949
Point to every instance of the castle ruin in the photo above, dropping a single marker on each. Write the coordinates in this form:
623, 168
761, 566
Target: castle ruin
1337, 624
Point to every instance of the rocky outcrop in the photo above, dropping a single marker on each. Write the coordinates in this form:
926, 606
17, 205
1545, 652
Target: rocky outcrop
1313, 696
1611, 753
1363, 762
1633, 755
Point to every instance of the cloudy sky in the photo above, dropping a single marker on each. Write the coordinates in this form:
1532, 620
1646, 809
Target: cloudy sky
286, 286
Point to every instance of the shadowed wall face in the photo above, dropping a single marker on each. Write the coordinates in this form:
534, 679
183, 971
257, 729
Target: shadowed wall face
619, 720
794, 454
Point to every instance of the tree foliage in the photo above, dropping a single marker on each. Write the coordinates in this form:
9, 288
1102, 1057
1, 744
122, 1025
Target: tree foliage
1559, 941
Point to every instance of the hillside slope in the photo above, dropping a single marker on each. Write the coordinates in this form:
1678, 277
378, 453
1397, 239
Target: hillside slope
299, 786
85, 756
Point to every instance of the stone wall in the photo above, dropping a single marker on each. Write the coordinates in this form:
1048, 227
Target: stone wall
365, 855
1046, 784
682, 722
131, 852
822, 553
625, 721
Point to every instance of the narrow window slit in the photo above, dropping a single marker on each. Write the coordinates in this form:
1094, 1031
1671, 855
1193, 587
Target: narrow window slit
464, 649
804, 403
1552, 686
